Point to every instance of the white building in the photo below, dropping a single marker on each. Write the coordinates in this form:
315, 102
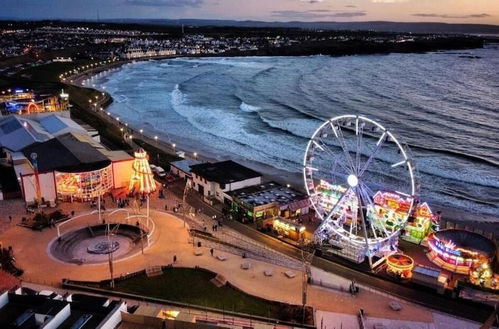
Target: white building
54, 158
182, 168
213, 180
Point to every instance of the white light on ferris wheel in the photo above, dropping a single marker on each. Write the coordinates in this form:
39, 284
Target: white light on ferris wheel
352, 180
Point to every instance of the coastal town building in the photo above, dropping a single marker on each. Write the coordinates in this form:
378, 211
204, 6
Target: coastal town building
182, 168
62, 60
268, 201
54, 158
135, 53
21, 101
215, 181
17, 132
50, 310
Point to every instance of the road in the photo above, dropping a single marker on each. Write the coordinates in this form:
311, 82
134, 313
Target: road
473, 311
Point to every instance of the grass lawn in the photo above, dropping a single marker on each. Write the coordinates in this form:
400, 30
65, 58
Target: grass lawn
193, 286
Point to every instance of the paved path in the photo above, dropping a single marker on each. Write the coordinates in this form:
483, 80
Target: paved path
460, 308
171, 238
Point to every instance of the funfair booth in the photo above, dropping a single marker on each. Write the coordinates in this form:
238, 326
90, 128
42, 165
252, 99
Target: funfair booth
38, 103
421, 223
71, 167
460, 251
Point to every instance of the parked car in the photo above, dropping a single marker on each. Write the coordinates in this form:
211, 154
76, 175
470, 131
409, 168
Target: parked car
160, 172
153, 167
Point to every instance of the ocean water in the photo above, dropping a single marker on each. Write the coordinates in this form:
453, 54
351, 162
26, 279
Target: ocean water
444, 105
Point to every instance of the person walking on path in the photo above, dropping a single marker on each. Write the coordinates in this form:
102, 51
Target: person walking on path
174, 259
10, 219
211, 252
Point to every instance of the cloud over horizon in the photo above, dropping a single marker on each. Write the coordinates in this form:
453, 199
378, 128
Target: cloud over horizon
312, 1
316, 14
483, 15
165, 3
468, 11
389, 1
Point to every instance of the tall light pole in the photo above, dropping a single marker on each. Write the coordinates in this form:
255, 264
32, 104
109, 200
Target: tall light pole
34, 157
306, 261
110, 257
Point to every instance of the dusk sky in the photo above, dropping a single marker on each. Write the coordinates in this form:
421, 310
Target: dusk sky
456, 11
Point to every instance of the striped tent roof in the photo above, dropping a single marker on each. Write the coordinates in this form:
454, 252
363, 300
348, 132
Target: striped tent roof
142, 179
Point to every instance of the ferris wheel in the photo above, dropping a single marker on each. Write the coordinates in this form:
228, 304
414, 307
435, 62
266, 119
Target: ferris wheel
361, 182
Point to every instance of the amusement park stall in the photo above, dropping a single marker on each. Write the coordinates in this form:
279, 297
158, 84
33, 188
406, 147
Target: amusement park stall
72, 167
266, 201
21, 102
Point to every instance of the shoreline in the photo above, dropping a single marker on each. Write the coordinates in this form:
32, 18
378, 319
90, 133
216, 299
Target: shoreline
459, 218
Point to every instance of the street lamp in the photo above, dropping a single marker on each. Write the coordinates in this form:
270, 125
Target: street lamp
34, 161
195, 155
141, 131
156, 139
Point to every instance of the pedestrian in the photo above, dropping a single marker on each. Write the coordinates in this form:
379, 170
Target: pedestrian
174, 259
211, 252
166, 207
10, 219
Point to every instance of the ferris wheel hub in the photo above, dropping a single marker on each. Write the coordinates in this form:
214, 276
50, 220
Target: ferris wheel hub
352, 180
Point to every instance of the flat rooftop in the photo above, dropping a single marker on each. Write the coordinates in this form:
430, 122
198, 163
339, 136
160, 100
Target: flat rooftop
185, 165
20, 304
86, 311
266, 193
224, 172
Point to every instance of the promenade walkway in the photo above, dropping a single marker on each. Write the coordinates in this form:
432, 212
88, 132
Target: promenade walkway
171, 238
